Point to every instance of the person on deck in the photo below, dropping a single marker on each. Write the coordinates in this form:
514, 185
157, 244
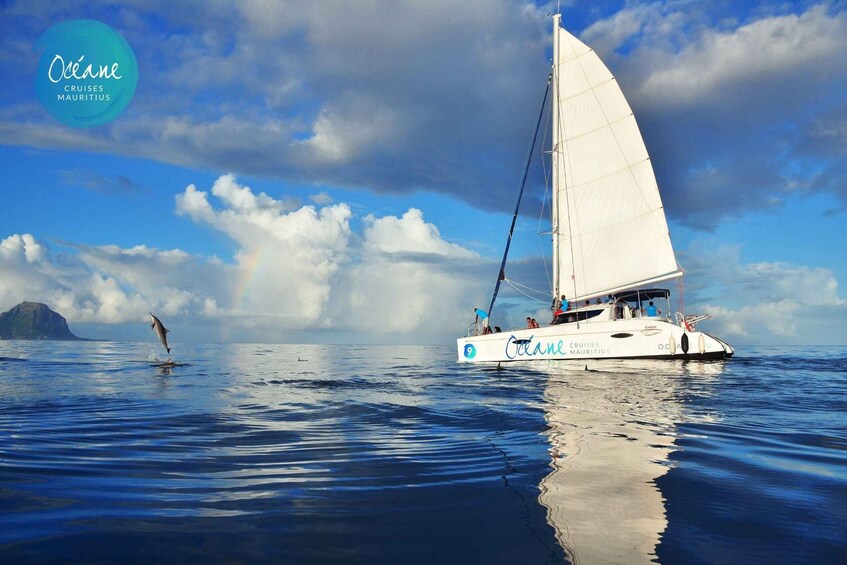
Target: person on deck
652, 311
481, 315
534, 324
559, 306
529, 325
557, 303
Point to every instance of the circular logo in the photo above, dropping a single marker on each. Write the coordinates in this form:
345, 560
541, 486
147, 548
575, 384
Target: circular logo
87, 73
470, 351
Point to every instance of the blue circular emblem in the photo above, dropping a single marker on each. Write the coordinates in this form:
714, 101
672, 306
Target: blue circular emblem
470, 351
87, 73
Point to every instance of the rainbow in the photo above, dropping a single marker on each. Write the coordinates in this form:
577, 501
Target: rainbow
247, 265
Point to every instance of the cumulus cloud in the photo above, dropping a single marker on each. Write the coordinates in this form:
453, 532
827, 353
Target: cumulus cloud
21, 249
305, 274
72, 284
418, 276
719, 65
763, 302
295, 271
321, 199
287, 260
409, 234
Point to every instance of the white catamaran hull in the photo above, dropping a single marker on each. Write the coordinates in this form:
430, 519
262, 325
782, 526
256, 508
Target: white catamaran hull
614, 339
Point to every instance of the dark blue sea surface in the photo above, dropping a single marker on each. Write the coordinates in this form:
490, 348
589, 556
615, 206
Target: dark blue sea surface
320, 454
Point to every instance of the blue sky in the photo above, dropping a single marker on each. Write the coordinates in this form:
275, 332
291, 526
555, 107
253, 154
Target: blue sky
382, 143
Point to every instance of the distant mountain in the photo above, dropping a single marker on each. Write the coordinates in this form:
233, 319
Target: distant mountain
31, 320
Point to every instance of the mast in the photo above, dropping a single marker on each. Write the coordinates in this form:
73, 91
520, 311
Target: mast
554, 154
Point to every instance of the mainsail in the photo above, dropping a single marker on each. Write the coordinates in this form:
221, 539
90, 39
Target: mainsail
609, 227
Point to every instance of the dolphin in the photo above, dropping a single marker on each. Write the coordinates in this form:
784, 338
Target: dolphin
160, 330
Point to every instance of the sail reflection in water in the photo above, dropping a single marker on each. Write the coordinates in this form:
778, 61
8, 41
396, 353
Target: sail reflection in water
611, 431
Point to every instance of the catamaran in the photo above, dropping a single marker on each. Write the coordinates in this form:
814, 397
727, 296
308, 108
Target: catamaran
611, 243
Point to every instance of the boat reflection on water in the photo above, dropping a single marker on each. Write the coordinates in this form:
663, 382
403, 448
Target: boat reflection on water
612, 428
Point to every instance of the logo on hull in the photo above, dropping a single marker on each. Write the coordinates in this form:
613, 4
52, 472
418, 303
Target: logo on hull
470, 351
524, 347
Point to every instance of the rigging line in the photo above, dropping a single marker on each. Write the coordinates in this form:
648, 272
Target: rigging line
529, 288
502, 274
546, 270
525, 294
544, 260
681, 298
547, 121
567, 199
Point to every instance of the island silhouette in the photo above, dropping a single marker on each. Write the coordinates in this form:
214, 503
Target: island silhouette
33, 320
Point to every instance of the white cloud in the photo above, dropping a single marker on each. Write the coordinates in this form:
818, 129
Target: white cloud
410, 279
241, 199
769, 322
387, 295
352, 127
607, 35
81, 293
756, 57
764, 302
295, 271
409, 234
321, 199
286, 261
21, 248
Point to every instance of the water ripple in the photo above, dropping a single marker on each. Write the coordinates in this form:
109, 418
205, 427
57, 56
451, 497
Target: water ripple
101, 448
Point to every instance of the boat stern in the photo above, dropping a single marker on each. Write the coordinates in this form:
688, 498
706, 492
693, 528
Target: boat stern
472, 349
467, 350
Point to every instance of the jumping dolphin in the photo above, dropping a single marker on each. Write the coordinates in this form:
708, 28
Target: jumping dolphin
160, 330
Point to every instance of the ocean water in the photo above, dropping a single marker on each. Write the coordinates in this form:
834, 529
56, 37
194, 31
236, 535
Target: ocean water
326, 454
